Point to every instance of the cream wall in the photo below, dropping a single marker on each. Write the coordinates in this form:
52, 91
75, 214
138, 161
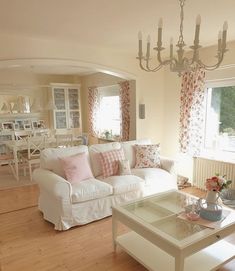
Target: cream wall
34, 86
149, 86
170, 143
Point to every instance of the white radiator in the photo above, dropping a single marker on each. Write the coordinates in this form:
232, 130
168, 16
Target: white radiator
205, 168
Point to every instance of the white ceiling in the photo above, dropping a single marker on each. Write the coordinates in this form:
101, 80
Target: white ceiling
114, 23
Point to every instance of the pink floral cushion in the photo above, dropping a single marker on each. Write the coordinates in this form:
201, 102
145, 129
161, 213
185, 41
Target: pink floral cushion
109, 162
76, 167
147, 156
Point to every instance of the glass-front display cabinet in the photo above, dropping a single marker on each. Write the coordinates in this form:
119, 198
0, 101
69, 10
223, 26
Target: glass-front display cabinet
67, 112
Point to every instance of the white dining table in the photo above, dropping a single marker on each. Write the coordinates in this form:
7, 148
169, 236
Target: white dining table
15, 146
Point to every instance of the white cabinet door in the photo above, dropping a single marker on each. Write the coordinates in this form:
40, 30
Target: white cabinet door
67, 114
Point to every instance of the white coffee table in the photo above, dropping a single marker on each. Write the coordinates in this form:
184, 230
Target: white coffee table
161, 241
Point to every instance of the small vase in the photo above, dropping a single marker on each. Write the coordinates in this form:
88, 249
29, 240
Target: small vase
212, 197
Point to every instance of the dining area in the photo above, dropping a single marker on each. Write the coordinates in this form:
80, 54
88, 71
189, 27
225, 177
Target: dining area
22, 153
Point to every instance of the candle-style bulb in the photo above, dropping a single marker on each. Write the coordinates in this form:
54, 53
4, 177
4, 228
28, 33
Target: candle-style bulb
148, 39
171, 48
140, 54
160, 23
198, 19
225, 26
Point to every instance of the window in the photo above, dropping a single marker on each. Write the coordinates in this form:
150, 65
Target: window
109, 112
220, 119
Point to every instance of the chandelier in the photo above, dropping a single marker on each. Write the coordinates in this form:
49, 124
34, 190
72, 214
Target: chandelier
180, 63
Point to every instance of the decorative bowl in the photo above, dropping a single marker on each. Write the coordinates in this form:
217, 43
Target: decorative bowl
211, 211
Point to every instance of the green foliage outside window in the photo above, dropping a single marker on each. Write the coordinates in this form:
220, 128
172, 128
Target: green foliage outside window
223, 101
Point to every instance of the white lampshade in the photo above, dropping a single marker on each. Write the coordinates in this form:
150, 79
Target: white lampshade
4, 107
35, 107
15, 107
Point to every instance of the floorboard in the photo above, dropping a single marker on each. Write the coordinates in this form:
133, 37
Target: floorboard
29, 243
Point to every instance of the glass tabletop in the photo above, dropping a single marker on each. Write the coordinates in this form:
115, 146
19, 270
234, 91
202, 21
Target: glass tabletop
161, 212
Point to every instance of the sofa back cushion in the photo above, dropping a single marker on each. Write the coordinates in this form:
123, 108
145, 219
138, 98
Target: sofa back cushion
95, 150
50, 157
129, 149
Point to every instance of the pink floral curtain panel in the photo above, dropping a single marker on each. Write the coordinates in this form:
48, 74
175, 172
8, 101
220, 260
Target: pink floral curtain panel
125, 110
93, 108
192, 111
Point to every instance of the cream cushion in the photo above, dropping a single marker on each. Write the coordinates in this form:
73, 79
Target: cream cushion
124, 183
90, 189
129, 150
157, 177
50, 157
95, 151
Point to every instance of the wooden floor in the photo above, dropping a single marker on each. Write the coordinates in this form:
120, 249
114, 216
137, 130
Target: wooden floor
31, 244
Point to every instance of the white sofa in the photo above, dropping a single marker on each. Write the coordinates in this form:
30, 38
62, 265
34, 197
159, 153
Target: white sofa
67, 205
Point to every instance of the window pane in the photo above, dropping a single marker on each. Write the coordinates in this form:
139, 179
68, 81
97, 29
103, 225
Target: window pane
109, 115
220, 118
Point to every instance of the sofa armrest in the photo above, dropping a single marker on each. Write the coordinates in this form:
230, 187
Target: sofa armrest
52, 183
168, 164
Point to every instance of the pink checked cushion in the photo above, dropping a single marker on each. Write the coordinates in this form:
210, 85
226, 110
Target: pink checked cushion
109, 162
147, 156
76, 167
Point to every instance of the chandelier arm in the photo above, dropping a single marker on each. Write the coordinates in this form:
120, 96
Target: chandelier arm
148, 69
153, 69
159, 56
141, 65
209, 68
162, 62
212, 67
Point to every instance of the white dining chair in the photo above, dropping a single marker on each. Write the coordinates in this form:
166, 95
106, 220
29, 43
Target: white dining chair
34, 147
22, 135
7, 159
64, 139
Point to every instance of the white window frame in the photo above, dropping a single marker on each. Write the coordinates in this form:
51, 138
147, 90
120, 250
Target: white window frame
221, 154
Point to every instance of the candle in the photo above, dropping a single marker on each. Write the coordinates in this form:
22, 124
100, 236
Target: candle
225, 28
197, 30
171, 48
160, 23
148, 47
140, 44
219, 40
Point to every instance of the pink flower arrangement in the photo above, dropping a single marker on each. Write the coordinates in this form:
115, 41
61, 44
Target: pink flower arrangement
217, 183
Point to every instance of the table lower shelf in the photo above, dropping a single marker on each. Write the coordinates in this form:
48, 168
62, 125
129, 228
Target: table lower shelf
155, 259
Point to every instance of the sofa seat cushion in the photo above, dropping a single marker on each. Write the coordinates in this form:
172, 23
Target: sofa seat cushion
124, 183
157, 179
90, 189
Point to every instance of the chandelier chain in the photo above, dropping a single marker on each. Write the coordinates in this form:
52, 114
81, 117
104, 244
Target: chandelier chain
181, 38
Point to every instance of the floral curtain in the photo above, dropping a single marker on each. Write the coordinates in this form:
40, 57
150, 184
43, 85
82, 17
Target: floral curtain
125, 110
192, 111
93, 108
